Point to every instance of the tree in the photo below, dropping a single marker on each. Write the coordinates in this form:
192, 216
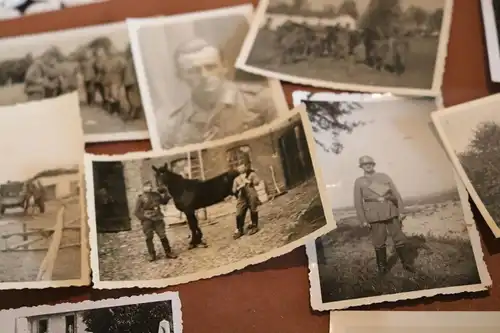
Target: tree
382, 15
481, 162
326, 117
349, 7
134, 318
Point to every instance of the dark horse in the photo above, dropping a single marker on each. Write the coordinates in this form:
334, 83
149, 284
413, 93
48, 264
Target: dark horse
192, 194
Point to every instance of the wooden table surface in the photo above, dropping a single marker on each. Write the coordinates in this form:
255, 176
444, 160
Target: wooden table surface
274, 296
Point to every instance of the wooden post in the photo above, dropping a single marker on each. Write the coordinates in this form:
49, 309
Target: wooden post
25, 235
48, 263
202, 174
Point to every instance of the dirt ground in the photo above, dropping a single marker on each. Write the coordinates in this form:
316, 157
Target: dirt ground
95, 120
123, 256
438, 245
21, 266
419, 70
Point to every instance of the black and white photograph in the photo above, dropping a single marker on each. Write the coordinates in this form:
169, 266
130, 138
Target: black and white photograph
491, 23
137, 314
12, 9
191, 91
414, 321
43, 232
404, 225
470, 133
96, 62
396, 46
164, 218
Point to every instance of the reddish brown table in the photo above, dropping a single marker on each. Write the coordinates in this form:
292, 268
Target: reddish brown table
274, 296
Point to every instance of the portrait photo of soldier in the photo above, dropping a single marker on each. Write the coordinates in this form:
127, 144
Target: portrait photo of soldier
197, 94
94, 62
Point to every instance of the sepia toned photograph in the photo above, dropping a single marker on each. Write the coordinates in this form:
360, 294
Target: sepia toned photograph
414, 321
364, 45
137, 314
191, 91
404, 225
95, 62
43, 230
471, 134
11, 9
160, 218
491, 23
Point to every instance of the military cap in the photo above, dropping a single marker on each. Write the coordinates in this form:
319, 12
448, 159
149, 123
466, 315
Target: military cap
366, 160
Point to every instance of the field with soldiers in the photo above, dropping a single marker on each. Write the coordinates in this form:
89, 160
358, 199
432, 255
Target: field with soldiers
387, 43
101, 74
438, 244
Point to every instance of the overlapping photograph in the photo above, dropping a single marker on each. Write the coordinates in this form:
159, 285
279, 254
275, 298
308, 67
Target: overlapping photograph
404, 225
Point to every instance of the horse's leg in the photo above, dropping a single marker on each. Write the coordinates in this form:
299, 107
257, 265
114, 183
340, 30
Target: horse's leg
193, 227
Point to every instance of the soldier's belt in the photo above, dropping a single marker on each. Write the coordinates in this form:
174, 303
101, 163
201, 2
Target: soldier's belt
375, 200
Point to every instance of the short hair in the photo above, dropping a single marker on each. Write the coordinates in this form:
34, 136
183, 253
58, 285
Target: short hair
192, 46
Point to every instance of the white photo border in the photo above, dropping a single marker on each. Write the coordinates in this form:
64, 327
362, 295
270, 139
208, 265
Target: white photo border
491, 36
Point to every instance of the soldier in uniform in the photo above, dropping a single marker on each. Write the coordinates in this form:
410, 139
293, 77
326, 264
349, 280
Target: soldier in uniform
244, 188
38, 83
100, 72
217, 106
378, 206
89, 76
147, 210
131, 87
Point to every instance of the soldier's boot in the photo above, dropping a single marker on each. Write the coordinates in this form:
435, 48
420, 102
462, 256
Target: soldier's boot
401, 251
168, 250
151, 249
240, 231
381, 255
254, 226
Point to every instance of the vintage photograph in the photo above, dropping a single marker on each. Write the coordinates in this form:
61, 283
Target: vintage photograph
43, 232
404, 227
11, 9
365, 45
414, 322
471, 135
491, 23
137, 314
160, 219
96, 62
191, 91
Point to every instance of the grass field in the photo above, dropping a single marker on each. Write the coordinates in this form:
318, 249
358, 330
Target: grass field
419, 70
438, 245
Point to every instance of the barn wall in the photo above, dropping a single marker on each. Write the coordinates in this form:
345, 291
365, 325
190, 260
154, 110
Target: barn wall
132, 171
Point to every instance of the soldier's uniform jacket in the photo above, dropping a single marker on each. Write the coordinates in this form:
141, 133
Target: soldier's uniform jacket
88, 70
36, 78
113, 68
129, 77
376, 198
249, 178
148, 206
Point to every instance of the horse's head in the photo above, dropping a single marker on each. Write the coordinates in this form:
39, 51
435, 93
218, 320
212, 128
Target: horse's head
162, 174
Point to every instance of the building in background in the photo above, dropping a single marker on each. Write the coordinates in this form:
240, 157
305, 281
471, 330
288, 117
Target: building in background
59, 184
71, 322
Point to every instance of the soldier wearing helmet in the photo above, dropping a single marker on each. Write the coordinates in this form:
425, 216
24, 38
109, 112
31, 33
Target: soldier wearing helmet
378, 206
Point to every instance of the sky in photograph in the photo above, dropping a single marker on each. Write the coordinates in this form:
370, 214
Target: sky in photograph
66, 41
40, 136
363, 4
459, 126
399, 136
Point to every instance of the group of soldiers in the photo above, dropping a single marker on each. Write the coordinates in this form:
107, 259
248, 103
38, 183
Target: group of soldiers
148, 210
371, 46
105, 79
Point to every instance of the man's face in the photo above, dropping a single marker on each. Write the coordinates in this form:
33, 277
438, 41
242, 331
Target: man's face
203, 69
147, 188
368, 167
241, 169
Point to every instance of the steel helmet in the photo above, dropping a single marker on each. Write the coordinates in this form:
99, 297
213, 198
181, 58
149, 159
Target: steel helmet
366, 160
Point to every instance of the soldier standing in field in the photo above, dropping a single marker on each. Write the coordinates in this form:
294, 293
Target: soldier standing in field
100, 73
131, 87
148, 211
378, 206
39, 80
244, 188
89, 76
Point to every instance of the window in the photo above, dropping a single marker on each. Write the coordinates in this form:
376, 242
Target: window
70, 324
237, 156
181, 167
43, 326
